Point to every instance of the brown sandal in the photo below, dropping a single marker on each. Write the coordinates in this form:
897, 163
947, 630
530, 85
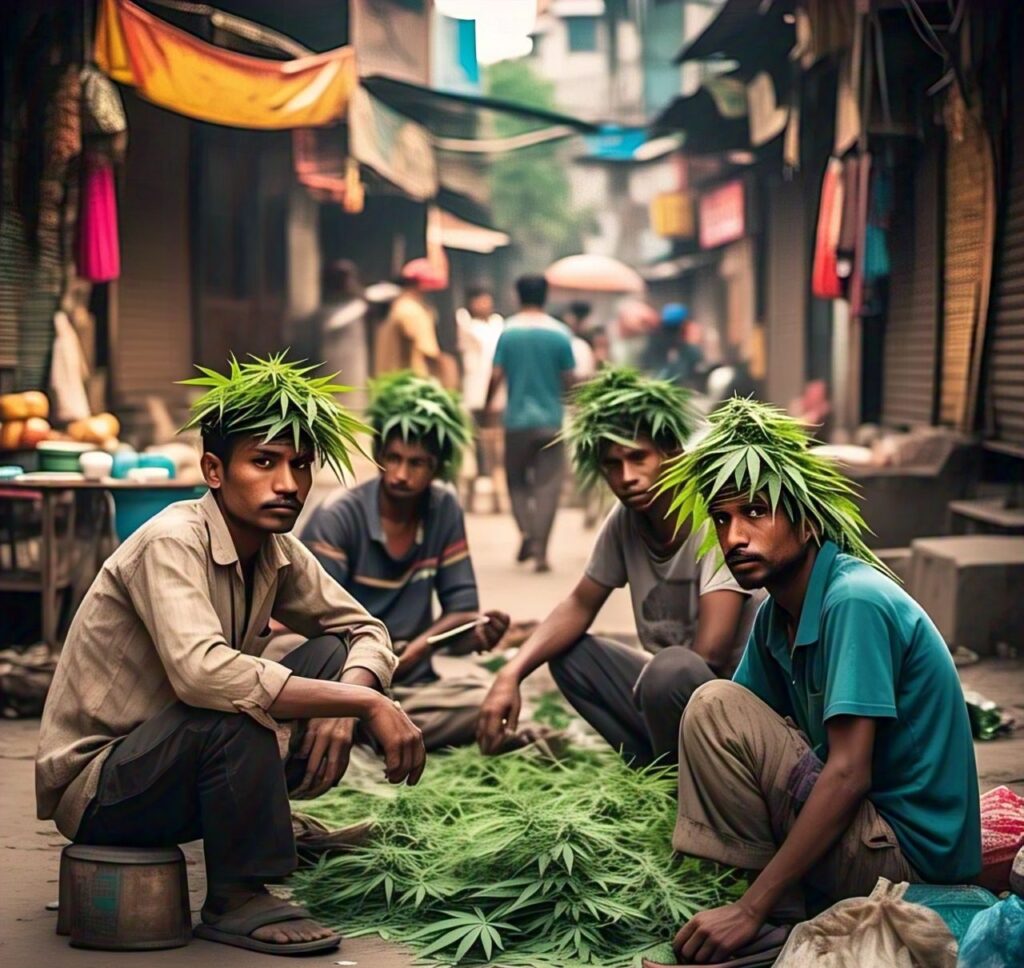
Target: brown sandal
236, 927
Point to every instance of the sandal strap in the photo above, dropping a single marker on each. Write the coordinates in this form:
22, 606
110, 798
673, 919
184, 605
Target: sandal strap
269, 910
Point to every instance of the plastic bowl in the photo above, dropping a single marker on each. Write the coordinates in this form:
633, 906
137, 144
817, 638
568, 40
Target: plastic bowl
135, 507
61, 455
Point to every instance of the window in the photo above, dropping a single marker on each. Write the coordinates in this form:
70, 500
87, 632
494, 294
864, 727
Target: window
582, 34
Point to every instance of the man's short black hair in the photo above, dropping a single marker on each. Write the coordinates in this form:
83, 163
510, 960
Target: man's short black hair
475, 292
664, 440
340, 279
429, 442
580, 308
222, 445
532, 290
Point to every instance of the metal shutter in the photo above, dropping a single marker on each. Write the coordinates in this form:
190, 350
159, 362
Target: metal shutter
969, 218
912, 324
152, 346
1004, 391
786, 296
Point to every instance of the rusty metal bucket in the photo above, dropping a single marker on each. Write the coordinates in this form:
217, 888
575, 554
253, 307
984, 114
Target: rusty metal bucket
124, 898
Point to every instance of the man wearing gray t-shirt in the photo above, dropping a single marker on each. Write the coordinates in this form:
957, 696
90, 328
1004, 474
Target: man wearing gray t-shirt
690, 614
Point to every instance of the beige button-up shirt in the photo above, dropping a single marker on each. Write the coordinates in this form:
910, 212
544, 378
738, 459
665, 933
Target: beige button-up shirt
162, 622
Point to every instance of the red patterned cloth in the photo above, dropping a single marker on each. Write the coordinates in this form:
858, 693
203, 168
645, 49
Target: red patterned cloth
1002, 836
1002, 826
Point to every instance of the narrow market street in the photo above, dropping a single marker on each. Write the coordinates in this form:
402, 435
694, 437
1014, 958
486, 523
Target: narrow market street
554, 467
31, 847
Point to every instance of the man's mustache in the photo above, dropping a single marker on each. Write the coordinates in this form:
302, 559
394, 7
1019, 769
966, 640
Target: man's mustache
741, 558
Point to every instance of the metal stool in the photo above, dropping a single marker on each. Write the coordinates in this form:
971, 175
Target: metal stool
124, 898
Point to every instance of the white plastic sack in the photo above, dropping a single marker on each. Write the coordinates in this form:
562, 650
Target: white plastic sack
67, 372
882, 931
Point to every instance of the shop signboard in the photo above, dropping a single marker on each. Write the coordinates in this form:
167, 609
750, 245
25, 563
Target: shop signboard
723, 215
672, 215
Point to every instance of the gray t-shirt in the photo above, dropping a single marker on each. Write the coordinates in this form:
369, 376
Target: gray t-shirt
665, 592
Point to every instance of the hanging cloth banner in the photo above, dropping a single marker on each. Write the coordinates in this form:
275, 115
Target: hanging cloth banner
179, 72
396, 148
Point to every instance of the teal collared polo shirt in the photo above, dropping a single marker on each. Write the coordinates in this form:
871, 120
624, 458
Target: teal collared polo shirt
864, 647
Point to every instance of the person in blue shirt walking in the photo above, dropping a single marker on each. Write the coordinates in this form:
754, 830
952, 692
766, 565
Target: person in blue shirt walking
534, 356
841, 751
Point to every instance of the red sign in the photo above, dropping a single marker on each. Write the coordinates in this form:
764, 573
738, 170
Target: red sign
722, 215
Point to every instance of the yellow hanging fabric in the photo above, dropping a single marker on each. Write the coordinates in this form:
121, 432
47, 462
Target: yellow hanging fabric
179, 72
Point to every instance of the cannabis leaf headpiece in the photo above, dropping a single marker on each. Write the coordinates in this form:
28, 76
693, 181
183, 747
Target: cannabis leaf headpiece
620, 405
276, 398
420, 409
755, 448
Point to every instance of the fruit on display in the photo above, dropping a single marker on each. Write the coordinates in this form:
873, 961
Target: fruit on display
24, 423
37, 403
95, 430
10, 434
21, 406
36, 429
24, 434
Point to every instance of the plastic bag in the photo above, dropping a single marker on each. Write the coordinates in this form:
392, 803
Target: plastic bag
882, 931
995, 938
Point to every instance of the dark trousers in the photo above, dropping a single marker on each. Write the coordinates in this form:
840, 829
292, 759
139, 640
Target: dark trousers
634, 702
191, 773
534, 468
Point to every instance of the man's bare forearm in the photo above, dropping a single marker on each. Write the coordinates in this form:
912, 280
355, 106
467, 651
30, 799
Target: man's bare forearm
419, 647
829, 810
566, 624
318, 698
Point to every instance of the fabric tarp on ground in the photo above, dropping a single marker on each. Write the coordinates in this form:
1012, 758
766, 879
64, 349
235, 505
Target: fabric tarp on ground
184, 74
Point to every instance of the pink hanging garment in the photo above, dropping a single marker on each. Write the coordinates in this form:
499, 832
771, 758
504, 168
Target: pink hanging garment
98, 251
825, 281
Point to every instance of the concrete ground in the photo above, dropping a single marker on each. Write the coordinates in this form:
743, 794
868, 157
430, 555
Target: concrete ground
30, 848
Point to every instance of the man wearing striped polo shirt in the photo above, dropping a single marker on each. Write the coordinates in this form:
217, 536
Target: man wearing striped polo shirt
396, 541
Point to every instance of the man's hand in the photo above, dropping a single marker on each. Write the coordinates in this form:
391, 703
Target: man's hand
714, 935
499, 714
486, 637
400, 740
326, 746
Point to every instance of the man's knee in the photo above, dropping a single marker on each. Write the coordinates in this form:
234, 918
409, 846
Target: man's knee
577, 657
710, 706
320, 658
671, 677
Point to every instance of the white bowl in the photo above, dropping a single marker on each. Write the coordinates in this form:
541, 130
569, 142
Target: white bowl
96, 464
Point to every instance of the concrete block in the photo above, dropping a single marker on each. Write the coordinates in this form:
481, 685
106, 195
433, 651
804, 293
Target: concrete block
972, 586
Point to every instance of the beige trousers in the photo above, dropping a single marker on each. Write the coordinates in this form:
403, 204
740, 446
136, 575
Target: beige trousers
445, 711
744, 774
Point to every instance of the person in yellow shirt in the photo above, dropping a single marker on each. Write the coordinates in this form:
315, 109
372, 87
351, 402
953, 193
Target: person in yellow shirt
407, 339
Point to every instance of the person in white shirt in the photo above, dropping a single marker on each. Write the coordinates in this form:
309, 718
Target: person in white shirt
479, 328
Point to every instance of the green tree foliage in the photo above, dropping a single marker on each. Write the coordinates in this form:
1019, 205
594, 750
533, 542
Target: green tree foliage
529, 186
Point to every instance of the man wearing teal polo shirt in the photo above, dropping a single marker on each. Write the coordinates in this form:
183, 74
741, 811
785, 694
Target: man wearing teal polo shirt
841, 751
534, 357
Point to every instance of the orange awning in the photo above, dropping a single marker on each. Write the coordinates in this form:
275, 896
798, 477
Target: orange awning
179, 72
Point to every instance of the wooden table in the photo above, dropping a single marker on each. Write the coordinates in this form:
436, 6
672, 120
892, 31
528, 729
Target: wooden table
50, 493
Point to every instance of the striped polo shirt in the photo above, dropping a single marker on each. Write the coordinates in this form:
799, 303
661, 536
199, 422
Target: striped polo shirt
346, 535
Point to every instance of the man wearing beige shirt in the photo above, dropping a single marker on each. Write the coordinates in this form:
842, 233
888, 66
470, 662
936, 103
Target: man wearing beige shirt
161, 725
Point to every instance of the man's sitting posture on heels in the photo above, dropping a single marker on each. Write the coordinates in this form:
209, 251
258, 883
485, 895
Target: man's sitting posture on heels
841, 751
161, 723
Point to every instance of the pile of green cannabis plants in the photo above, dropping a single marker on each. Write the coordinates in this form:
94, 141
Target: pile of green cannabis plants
518, 860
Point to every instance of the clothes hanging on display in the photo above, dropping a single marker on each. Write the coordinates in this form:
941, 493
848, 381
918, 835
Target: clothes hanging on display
98, 254
825, 281
182, 73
